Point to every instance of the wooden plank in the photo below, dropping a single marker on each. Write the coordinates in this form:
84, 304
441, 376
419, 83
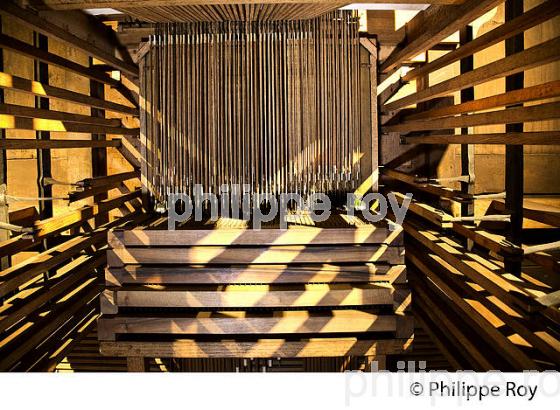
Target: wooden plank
475, 300
470, 265
23, 217
281, 254
243, 323
43, 26
21, 47
13, 143
263, 348
22, 123
264, 274
17, 275
546, 214
432, 26
521, 138
15, 83
537, 92
540, 112
531, 18
481, 317
135, 364
532, 57
433, 189
60, 223
248, 296
19, 307
368, 234
102, 181
30, 112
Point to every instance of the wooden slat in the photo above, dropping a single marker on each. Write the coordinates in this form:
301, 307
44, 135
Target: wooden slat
255, 255
21, 47
264, 348
531, 18
537, 92
432, 26
12, 143
541, 112
22, 123
240, 322
30, 112
433, 189
532, 57
52, 30
545, 214
266, 274
110, 179
247, 296
60, 223
369, 234
15, 83
511, 138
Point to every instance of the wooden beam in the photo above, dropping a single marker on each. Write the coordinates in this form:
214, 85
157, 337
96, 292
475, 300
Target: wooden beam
240, 322
30, 112
266, 274
10, 82
43, 26
88, 4
263, 348
536, 15
22, 123
433, 189
12, 143
432, 26
532, 57
536, 92
511, 138
21, 47
281, 254
248, 296
368, 234
530, 113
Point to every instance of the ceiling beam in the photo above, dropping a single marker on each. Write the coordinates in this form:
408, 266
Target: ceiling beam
115, 4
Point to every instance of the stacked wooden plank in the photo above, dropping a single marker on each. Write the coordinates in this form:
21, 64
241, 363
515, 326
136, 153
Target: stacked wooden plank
299, 292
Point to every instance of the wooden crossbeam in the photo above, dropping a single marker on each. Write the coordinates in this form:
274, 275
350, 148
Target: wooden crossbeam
425, 187
532, 57
511, 138
536, 92
43, 26
30, 112
38, 54
263, 348
281, 254
13, 143
11, 82
531, 18
23, 123
432, 26
531, 113
240, 322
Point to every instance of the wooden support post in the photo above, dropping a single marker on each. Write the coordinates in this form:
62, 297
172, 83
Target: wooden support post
43, 156
4, 234
514, 153
136, 364
98, 155
467, 150
374, 118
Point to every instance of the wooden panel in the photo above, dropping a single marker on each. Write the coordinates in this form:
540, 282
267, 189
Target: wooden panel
520, 138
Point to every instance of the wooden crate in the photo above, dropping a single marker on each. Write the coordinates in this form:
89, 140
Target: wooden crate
240, 293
